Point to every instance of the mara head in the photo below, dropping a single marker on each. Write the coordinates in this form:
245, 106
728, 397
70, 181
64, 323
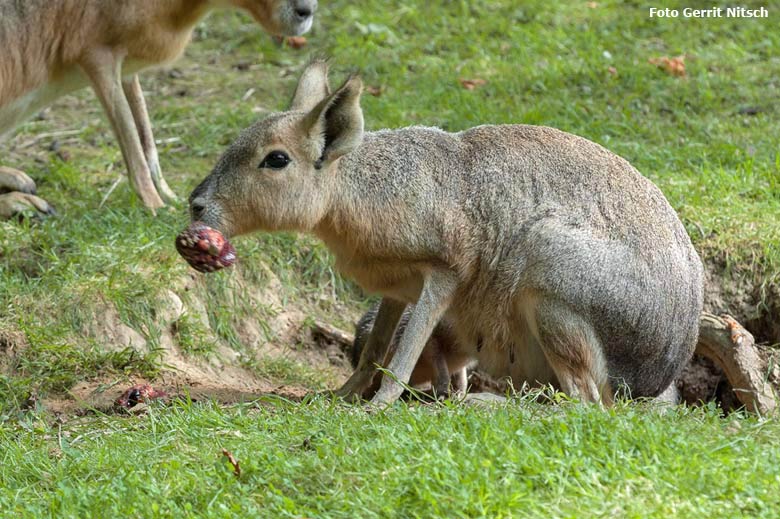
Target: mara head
279, 173
278, 17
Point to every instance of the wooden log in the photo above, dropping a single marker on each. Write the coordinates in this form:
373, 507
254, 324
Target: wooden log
723, 340
333, 334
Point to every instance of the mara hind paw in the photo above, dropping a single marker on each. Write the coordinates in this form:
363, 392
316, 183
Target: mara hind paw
17, 203
14, 180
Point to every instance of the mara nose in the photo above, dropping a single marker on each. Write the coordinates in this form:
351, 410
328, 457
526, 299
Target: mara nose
303, 12
305, 9
197, 208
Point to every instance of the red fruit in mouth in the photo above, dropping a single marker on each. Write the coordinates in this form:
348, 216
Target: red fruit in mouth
204, 248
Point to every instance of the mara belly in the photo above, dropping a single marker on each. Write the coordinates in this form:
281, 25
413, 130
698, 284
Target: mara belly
19, 109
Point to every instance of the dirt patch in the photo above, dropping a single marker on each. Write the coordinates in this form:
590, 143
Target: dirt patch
12, 343
702, 381
219, 378
100, 394
752, 298
107, 327
277, 350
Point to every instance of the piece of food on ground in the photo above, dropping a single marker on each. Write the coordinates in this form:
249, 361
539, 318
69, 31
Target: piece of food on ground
142, 393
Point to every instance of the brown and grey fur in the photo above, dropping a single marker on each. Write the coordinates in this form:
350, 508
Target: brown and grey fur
53, 47
442, 365
556, 259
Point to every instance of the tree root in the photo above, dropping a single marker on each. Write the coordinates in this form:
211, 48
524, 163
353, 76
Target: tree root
333, 334
723, 340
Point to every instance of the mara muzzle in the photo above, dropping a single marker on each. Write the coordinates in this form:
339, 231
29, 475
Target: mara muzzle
204, 248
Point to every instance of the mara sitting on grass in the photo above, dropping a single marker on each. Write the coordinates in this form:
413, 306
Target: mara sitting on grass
558, 262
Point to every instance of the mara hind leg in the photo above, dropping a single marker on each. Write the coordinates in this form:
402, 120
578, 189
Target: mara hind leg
135, 98
17, 195
571, 347
103, 66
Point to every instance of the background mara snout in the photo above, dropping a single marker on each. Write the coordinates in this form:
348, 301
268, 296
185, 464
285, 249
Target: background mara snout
54, 47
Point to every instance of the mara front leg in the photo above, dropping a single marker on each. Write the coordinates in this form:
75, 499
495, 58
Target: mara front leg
104, 69
135, 98
387, 317
435, 298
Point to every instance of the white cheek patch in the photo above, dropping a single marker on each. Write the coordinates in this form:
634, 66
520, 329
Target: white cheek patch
305, 26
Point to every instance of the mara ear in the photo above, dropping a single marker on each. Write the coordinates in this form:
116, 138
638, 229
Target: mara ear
312, 87
337, 121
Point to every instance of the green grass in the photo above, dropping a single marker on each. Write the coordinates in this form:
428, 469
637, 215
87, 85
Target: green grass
710, 141
319, 460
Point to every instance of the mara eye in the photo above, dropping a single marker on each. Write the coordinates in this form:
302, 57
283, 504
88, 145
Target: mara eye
275, 160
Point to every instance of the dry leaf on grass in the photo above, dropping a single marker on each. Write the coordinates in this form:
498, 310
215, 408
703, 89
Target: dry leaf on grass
471, 84
612, 71
233, 461
375, 91
673, 66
